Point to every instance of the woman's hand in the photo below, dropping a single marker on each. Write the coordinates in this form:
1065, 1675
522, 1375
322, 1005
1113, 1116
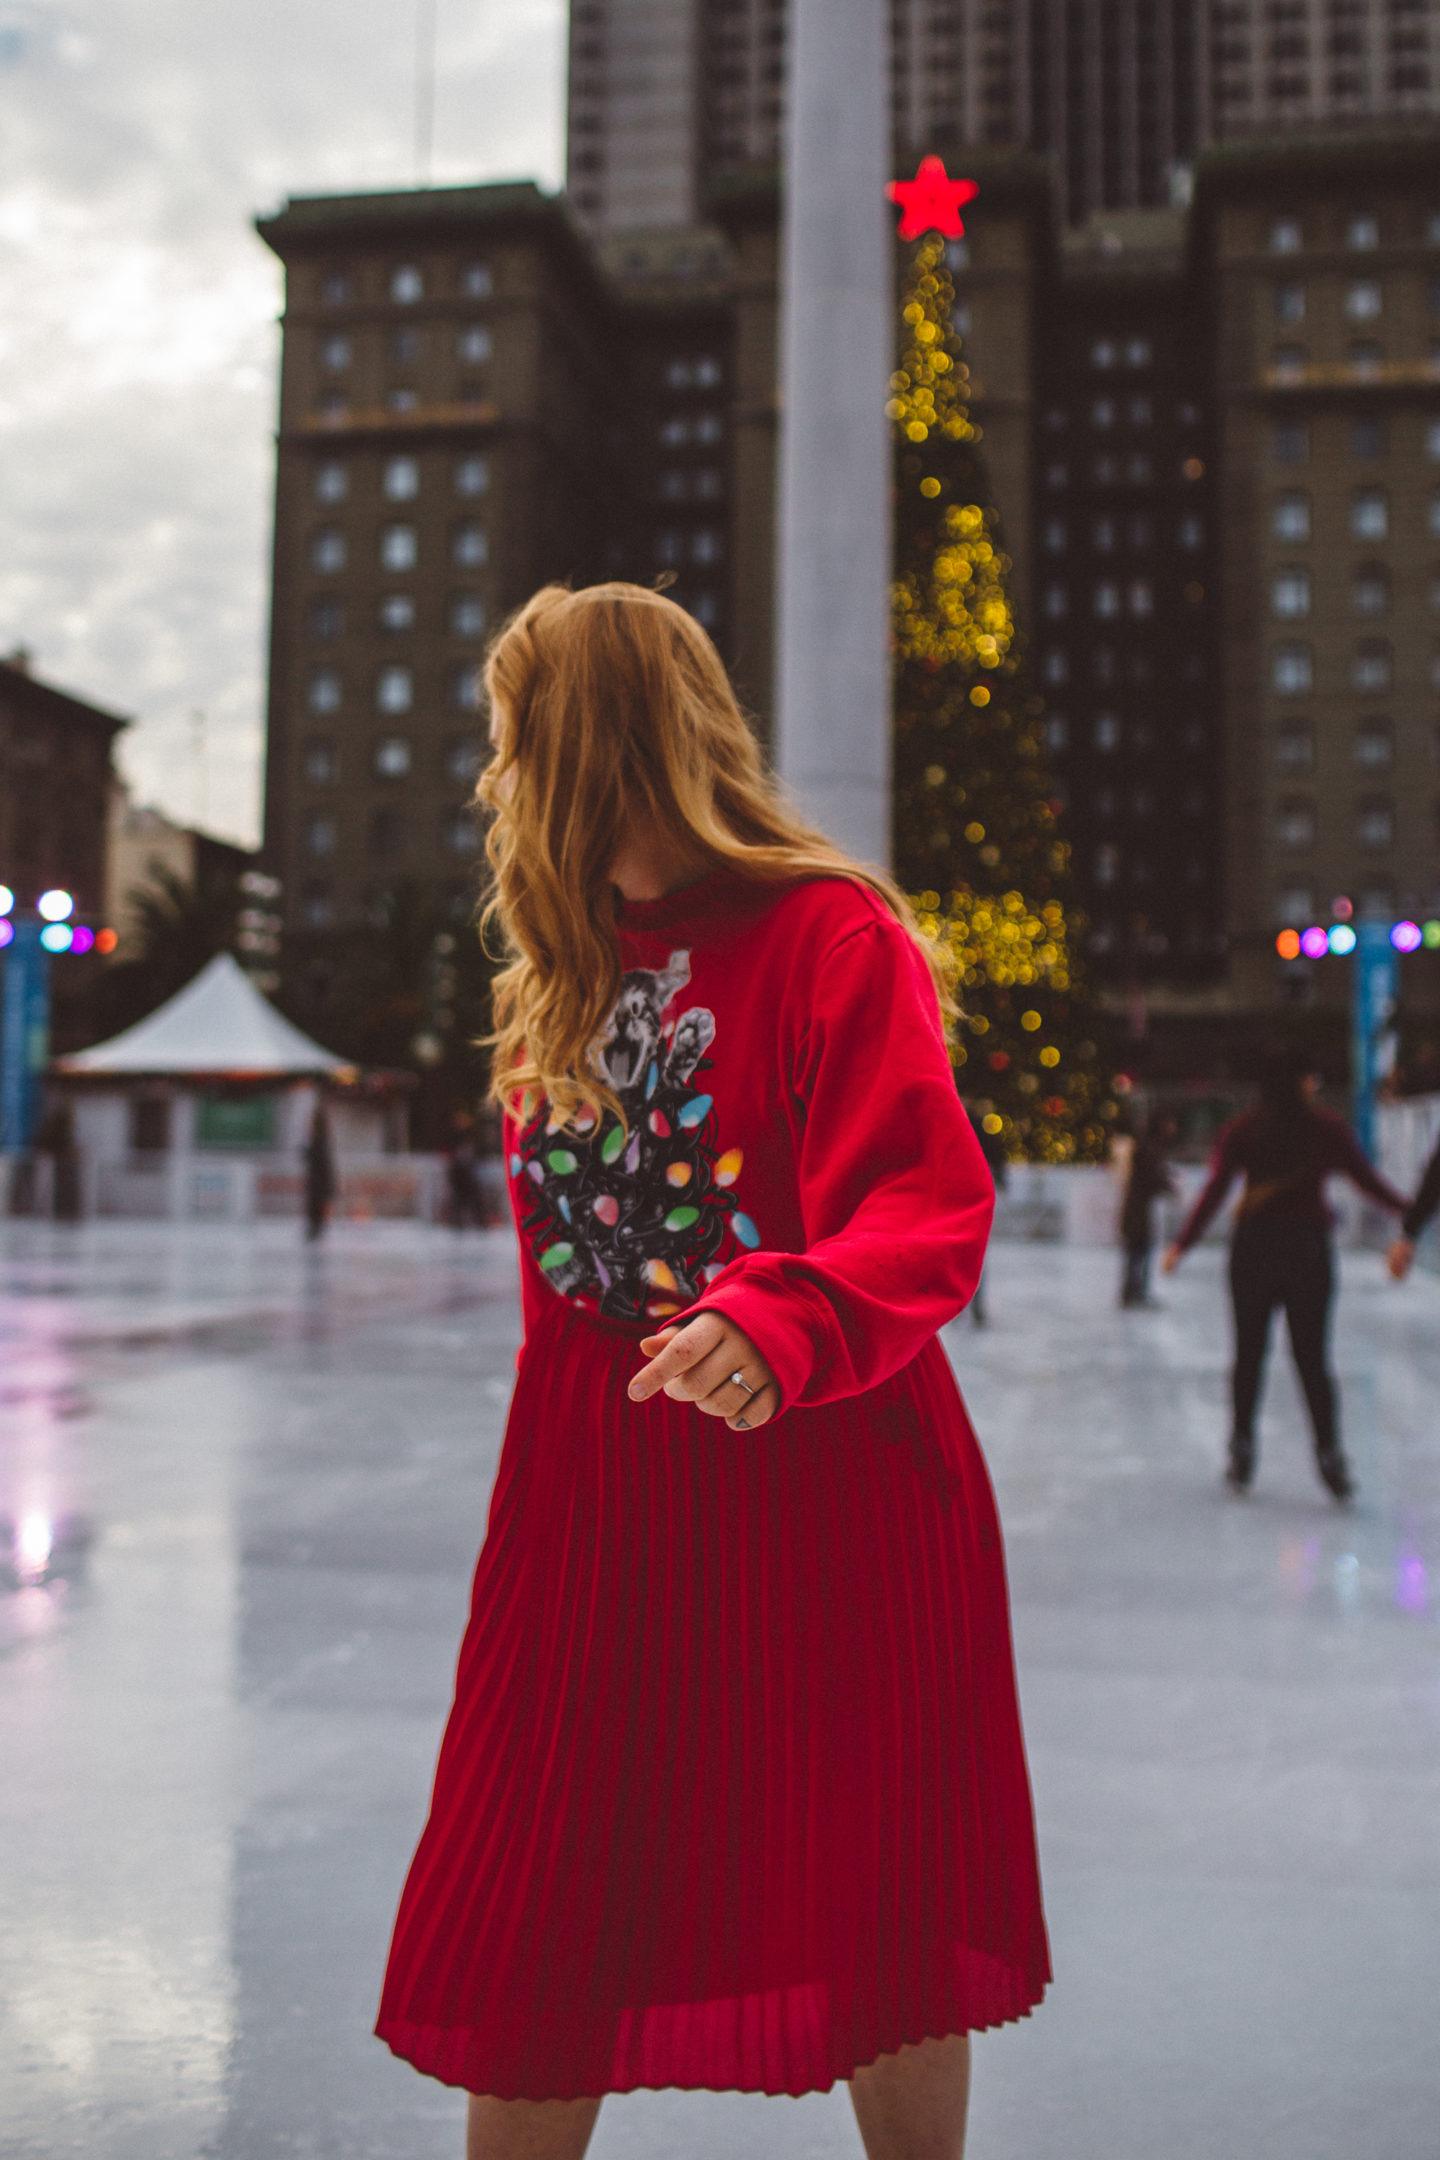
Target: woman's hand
694, 1363
1172, 1259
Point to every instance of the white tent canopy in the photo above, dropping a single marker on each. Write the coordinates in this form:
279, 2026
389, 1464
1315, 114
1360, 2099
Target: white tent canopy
218, 1024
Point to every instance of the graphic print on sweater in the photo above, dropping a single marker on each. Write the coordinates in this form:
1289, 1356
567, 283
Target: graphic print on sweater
633, 1228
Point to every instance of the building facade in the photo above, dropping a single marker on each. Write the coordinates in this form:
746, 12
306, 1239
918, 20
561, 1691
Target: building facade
1322, 266
1117, 95
445, 432
56, 773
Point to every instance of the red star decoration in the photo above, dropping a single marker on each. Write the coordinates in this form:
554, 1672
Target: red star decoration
931, 202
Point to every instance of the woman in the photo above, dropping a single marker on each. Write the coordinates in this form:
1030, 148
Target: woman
1280, 1252
733, 1791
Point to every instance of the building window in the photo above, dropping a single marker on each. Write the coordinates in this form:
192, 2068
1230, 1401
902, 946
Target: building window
1056, 600
336, 288
1291, 669
1107, 864
319, 833
1138, 352
477, 281
1375, 822
1365, 358
1287, 363
405, 346
401, 400
1367, 436
327, 549
394, 690
331, 405
1106, 731
407, 284
705, 607
387, 834
1142, 597
318, 762
1370, 590
1295, 821
397, 611
324, 695
1363, 231
1285, 236
467, 615
470, 544
327, 619
1102, 534
472, 474
1290, 593
1102, 412
1288, 303
336, 353
957, 254
1290, 442
1055, 535
1057, 475
392, 757
462, 758
1294, 904
1190, 532
1057, 732
1102, 353
1056, 666
401, 481
1371, 668
399, 547
1369, 514
1295, 746
474, 344
332, 482
1140, 412
465, 690
1363, 300
1375, 744
459, 832
1107, 599
317, 908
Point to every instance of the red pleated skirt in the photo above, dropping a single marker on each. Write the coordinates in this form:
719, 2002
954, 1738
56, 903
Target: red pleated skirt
732, 1793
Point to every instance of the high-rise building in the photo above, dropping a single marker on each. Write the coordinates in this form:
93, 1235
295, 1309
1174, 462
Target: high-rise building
1118, 95
1322, 267
56, 772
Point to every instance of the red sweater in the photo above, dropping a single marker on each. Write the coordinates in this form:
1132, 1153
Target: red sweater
799, 1158
1285, 1168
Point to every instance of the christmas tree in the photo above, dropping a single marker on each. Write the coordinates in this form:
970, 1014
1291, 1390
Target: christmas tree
976, 843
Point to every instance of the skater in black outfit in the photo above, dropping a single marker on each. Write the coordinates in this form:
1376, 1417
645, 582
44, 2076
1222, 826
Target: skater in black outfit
1425, 1205
1281, 1251
320, 1177
1148, 1180
992, 1147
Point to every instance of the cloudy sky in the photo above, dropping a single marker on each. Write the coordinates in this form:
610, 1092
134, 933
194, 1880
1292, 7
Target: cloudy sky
138, 320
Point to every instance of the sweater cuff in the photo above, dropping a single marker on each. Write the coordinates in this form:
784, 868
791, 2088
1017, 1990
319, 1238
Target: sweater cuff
769, 1316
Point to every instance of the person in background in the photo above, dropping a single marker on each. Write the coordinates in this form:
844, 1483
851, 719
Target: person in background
1281, 1249
992, 1147
319, 1174
1147, 1181
462, 1173
1420, 1212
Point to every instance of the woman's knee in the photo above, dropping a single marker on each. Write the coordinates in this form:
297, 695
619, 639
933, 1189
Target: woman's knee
529, 2129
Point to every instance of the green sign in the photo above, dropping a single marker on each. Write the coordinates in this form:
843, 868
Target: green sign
239, 1121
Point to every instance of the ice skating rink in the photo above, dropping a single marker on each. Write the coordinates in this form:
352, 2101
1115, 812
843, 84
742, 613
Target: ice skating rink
243, 1488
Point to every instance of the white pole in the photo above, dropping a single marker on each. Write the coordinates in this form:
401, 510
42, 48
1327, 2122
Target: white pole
832, 735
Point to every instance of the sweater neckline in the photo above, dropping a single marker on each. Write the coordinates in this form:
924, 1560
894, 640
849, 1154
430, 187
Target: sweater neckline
698, 900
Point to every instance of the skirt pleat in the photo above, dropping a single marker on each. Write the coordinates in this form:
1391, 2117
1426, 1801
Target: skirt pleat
732, 1793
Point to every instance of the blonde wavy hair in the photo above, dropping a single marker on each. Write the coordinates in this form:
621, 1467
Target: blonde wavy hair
612, 707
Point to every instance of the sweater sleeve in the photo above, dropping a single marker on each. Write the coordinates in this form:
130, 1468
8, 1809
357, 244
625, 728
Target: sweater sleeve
896, 1197
1224, 1168
1426, 1201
